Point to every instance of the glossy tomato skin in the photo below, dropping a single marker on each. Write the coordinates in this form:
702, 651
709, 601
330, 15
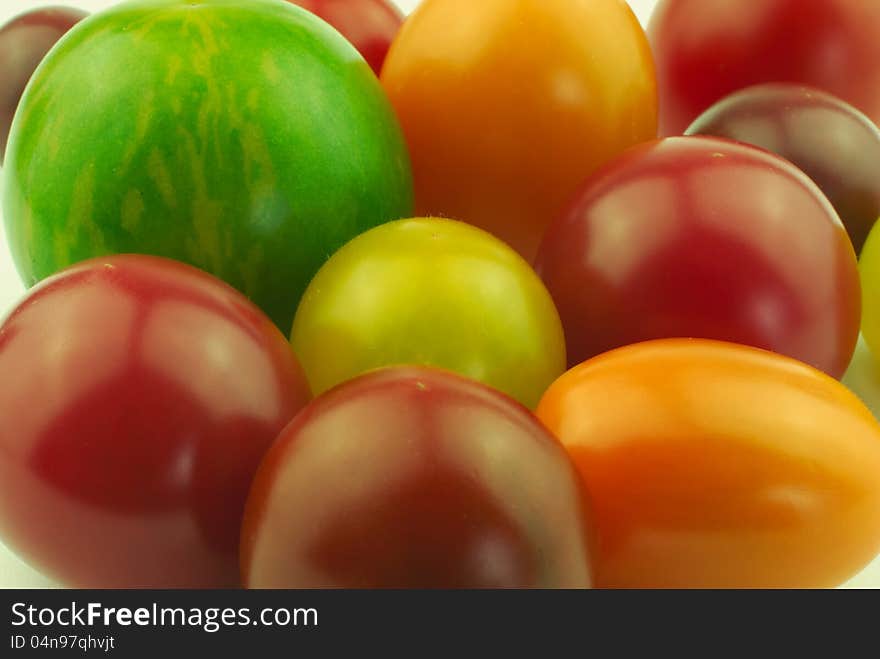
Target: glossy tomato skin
416, 478
707, 49
370, 25
506, 106
828, 139
717, 465
433, 292
24, 41
709, 238
144, 395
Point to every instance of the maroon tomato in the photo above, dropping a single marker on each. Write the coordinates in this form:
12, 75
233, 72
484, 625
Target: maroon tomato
23, 42
415, 477
140, 396
707, 49
708, 238
370, 25
833, 143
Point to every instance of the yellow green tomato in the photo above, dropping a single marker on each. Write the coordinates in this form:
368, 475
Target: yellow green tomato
430, 292
869, 272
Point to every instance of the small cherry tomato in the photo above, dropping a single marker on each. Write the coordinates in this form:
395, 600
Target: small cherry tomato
416, 478
829, 140
370, 25
24, 41
707, 49
433, 292
507, 106
708, 238
140, 396
716, 465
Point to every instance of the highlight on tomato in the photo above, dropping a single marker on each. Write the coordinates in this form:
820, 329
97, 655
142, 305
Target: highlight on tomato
709, 238
711, 464
416, 478
139, 396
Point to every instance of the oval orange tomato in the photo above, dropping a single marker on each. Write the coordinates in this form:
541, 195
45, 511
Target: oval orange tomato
508, 106
716, 465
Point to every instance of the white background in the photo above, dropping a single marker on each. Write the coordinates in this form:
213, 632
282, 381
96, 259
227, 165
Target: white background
863, 377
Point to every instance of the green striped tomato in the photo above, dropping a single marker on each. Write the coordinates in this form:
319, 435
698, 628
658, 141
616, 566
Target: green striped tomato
247, 138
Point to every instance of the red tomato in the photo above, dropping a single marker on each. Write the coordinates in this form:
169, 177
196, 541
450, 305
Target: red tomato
144, 395
507, 106
23, 42
703, 237
415, 477
829, 140
706, 49
717, 465
370, 25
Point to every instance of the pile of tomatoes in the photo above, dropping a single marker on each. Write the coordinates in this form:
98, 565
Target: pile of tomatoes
465, 324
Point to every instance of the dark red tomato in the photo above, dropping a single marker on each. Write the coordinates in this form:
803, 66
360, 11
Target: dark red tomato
415, 477
23, 42
833, 143
370, 25
140, 396
707, 49
708, 238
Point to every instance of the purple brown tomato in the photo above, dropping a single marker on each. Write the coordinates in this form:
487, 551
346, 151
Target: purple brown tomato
705, 238
139, 396
414, 477
833, 143
24, 41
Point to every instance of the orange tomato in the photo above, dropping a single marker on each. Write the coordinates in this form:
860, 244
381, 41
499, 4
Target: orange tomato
508, 106
716, 465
